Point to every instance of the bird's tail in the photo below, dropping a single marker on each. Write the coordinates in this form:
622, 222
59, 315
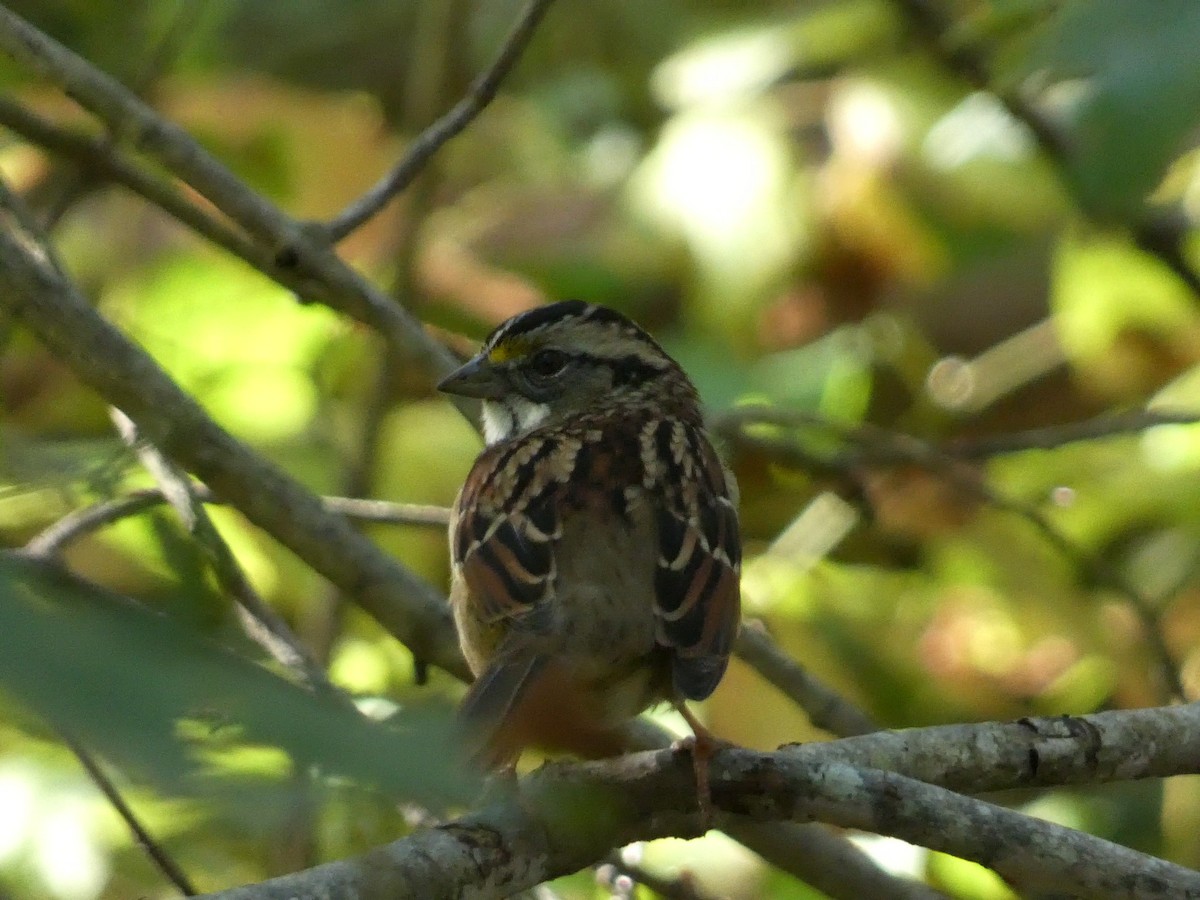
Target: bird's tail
490, 709
529, 698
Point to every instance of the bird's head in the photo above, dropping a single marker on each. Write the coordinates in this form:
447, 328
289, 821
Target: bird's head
547, 365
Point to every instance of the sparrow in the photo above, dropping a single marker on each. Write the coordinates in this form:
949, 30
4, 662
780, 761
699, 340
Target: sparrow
595, 551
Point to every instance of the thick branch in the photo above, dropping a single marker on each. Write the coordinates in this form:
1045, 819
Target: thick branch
826, 860
1042, 752
1031, 854
33, 291
565, 817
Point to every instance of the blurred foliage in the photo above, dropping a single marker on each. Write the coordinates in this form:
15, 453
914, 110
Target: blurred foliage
221, 704
809, 206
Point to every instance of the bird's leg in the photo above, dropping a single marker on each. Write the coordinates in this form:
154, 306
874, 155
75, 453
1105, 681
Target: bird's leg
703, 745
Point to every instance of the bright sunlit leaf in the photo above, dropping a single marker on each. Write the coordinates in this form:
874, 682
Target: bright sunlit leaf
967, 880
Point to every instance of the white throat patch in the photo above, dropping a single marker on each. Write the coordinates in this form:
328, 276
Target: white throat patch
514, 416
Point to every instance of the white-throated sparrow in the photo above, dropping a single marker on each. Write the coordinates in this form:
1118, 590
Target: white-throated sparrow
595, 544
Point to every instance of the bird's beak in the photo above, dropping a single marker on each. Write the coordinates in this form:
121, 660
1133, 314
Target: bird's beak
478, 378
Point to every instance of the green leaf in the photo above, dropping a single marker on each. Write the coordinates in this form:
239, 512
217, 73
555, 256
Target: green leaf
157, 699
1127, 76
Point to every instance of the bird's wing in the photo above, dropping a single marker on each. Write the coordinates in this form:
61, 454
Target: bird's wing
506, 524
505, 528
699, 563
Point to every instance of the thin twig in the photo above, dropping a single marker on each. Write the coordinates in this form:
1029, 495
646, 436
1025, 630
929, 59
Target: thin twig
262, 624
74, 183
825, 707
1054, 436
481, 92
294, 247
389, 513
57, 537
170, 45
877, 446
679, 887
1162, 233
55, 313
53, 540
157, 853
733, 425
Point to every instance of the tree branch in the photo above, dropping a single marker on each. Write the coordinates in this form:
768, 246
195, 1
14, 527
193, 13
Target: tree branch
157, 853
564, 817
877, 446
64, 188
826, 860
261, 623
1054, 436
57, 537
825, 708
100, 156
125, 375
616, 868
1121, 745
873, 446
293, 247
812, 853
481, 92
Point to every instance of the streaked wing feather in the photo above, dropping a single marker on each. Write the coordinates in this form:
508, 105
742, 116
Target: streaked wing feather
506, 522
505, 551
697, 581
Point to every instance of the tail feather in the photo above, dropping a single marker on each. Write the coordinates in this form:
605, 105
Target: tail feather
491, 700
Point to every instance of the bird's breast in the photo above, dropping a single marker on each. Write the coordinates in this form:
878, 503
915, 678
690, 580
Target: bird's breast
604, 585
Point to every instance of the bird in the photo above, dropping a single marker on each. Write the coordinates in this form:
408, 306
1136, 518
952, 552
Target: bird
595, 545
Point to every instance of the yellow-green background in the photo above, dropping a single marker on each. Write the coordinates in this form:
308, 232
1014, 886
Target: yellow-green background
807, 206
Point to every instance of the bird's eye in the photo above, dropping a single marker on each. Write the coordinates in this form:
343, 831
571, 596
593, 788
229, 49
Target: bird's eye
547, 363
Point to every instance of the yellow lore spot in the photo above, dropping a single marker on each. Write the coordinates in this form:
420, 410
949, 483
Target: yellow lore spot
508, 350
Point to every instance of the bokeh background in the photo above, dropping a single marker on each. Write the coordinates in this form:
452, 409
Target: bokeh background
816, 205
